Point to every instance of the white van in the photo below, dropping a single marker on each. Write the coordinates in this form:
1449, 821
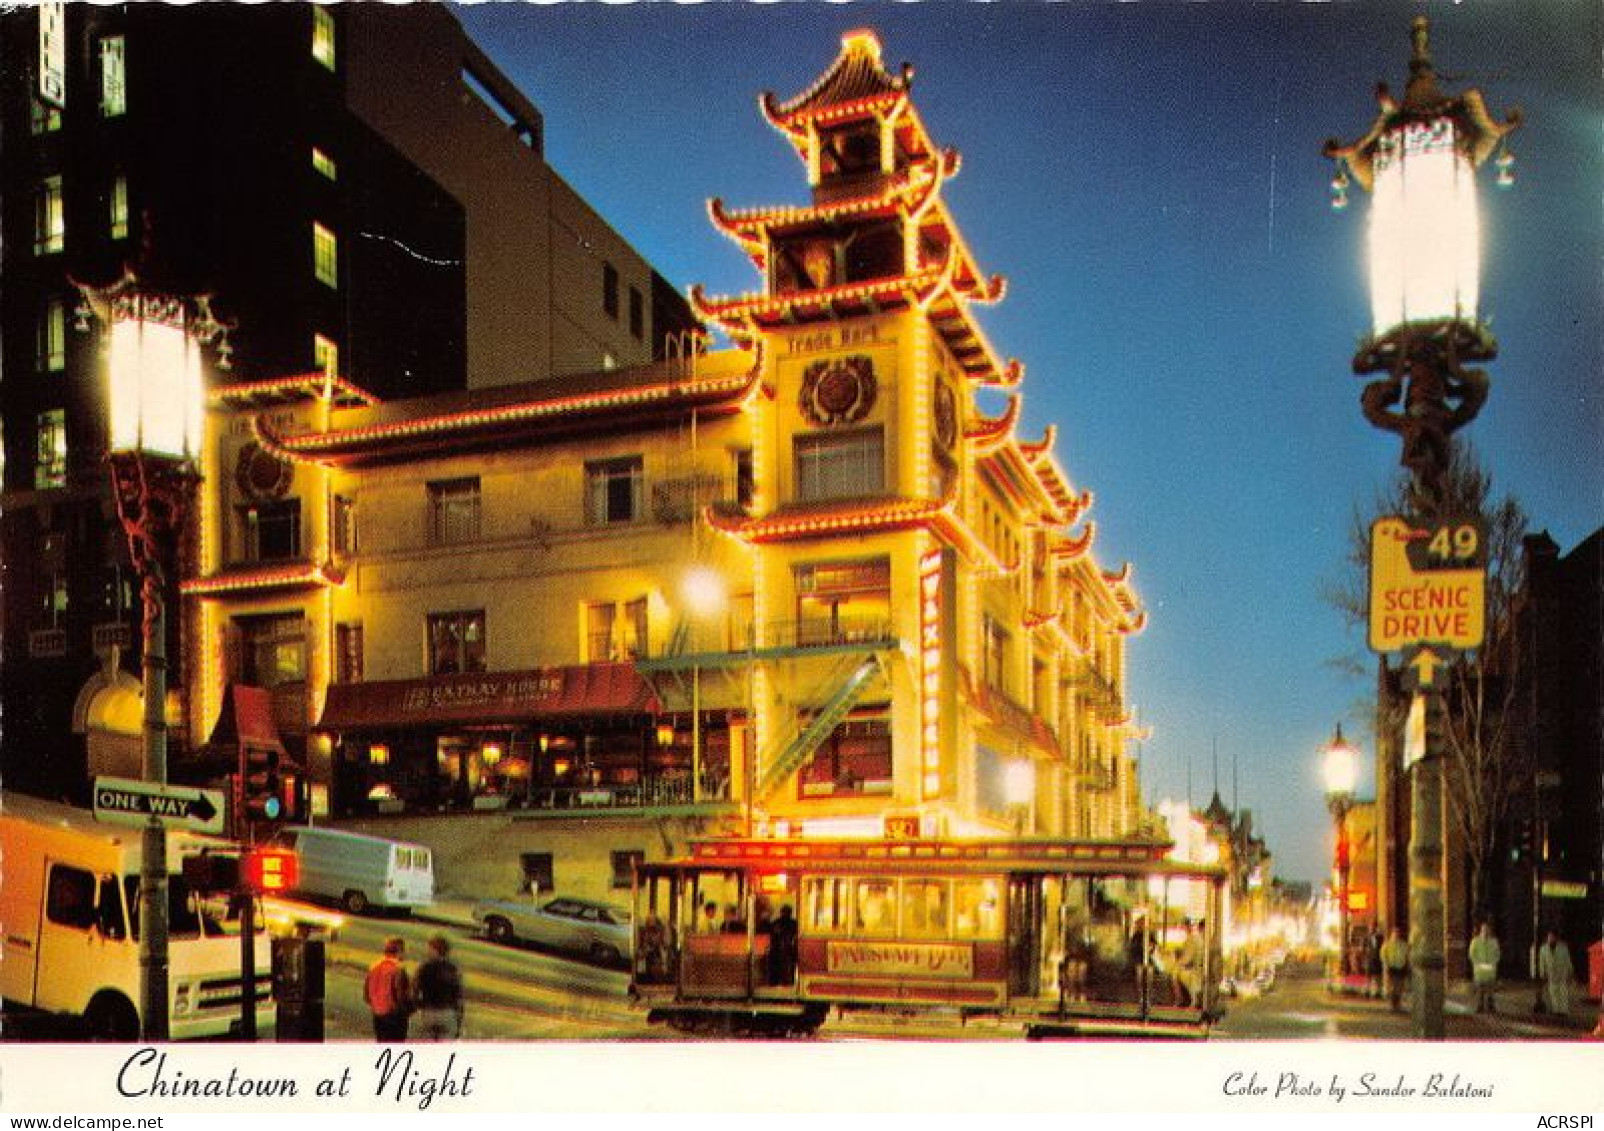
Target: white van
361, 872
69, 909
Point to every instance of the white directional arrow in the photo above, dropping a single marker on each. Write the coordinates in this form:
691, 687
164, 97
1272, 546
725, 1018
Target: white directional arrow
129, 802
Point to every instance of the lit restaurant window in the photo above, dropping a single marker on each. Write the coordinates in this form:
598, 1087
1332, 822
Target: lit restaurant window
323, 36
324, 164
325, 256
325, 356
50, 222
50, 466
113, 84
119, 207
53, 336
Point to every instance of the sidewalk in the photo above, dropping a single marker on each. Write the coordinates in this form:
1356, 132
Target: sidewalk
1514, 1013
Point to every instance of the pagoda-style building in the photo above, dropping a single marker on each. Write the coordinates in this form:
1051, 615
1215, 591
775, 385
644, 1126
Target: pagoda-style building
981, 685
816, 585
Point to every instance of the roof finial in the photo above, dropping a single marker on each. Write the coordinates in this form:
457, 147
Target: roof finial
1421, 34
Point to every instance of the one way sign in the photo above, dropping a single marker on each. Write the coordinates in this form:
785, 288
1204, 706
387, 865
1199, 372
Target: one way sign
126, 802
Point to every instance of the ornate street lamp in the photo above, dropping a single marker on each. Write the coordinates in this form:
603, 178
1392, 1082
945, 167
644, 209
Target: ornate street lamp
1419, 160
156, 405
1341, 774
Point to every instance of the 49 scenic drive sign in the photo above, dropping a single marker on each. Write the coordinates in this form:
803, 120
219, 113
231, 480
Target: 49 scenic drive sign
1428, 584
127, 802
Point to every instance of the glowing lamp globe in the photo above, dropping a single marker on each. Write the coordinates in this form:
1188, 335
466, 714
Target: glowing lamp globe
1341, 768
156, 397
1425, 234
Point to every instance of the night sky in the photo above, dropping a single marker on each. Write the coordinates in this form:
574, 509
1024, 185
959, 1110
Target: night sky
1148, 177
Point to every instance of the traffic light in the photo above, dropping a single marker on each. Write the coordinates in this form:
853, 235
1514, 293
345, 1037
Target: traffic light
1525, 839
211, 872
271, 871
262, 785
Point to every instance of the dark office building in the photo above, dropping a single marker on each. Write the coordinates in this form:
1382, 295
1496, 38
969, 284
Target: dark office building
232, 150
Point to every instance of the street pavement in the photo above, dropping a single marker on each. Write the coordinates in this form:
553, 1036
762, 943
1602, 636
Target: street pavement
1300, 1007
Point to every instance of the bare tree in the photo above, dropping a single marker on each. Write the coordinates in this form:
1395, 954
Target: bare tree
1485, 767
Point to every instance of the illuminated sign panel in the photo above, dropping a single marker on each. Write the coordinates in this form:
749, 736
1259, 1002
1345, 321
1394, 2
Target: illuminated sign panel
1427, 585
53, 54
900, 959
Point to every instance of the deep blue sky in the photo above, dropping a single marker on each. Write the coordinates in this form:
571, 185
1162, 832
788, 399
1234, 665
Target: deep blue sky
1148, 178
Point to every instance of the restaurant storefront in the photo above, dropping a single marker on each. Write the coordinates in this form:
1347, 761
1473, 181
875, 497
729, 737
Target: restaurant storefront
580, 737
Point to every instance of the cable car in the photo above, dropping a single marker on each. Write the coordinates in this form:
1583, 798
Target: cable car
1059, 938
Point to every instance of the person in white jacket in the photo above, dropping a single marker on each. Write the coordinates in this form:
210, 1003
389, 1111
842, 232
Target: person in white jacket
1555, 974
1484, 956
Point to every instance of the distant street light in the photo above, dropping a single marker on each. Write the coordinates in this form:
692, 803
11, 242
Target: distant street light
1341, 774
156, 406
1019, 792
1419, 160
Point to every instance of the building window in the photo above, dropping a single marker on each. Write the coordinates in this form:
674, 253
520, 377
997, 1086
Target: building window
272, 530
50, 222
745, 484
854, 761
994, 655
43, 117
348, 653
325, 356
454, 511
50, 463
614, 490
273, 650
55, 598
615, 632
843, 601
119, 207
637, 314
540, 878
840, 465
610, 290
344, 523
323, 36
456, 642
324, 164
113, 79
52, 346
325, 255
624, 862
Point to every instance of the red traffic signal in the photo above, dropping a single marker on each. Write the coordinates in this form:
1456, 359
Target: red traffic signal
269, 871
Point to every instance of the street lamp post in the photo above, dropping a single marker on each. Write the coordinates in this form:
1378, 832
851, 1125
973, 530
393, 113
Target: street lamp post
1418, 159
156, 406
1341, 772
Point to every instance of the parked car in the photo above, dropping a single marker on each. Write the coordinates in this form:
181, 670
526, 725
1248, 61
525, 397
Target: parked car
599, 931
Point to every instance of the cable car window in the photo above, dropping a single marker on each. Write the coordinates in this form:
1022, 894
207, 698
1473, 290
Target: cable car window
825, 902
875, 907
926, 909
977, 906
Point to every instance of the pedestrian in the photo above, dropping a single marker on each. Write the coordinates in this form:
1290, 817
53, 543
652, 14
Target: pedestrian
1554, 974
1373, 967
1188, 967
782, 948
1395, 964
388, 993
439, 986
653, 948
1484, 956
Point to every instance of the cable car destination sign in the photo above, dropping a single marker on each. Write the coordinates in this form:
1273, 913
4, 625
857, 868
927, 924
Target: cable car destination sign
1428, 588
